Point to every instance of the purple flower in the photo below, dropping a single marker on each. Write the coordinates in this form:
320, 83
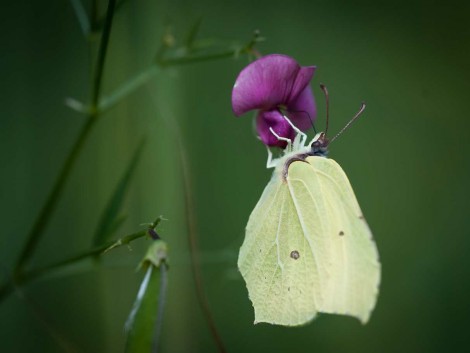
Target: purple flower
273, 83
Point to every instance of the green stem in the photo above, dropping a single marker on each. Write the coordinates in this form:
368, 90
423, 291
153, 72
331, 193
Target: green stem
23, 278
36, 233
193, 246
145, 75
128, 87
102, 51
194, 59
99, 250
43, 218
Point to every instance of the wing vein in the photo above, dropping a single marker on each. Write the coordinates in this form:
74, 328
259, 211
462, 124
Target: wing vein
304, 230
281, 265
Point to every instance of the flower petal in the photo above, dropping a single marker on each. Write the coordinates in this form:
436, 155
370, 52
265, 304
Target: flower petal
304, 76
303, 111
273, 119
267, 83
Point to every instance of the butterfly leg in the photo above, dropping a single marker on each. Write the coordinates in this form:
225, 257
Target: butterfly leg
271, 163
289, 141
303, 136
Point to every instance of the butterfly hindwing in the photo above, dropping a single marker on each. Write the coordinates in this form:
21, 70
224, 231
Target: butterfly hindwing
272, 256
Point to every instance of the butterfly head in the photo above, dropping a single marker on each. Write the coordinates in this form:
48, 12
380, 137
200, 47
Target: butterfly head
319, 145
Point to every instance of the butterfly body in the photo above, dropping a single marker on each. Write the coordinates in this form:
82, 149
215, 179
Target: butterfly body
308, 248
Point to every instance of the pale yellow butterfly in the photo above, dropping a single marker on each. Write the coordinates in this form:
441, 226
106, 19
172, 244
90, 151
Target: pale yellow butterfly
308, 248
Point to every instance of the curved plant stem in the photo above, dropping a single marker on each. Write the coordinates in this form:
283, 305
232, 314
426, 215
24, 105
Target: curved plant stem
37, 231
194, 250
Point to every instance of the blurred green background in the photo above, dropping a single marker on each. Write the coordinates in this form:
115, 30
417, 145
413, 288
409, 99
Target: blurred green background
407, 159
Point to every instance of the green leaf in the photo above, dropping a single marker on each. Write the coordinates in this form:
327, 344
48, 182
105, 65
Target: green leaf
145, 319
110, 220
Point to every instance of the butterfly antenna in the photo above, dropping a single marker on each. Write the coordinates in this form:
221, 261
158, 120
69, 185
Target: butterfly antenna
311, 121
327, 99
358, 114
309, 117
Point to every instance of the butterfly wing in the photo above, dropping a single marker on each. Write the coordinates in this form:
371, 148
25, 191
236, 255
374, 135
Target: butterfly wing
308, 248
281, 285
340, 240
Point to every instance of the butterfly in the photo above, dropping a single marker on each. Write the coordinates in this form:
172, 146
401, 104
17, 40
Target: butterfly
308, 248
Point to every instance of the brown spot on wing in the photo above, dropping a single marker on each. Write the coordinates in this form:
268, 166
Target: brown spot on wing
295, 254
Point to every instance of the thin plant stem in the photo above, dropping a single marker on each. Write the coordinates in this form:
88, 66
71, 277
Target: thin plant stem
102, 51
128, 87
148, 73
194, 249
43, 218
194, 59
99, 250
192, 233
31, 275
37, 231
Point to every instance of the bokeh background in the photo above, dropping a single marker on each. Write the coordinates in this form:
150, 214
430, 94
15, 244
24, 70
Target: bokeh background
407, 159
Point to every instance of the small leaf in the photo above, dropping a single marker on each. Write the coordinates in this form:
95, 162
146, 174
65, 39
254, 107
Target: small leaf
144, 324
110, 220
